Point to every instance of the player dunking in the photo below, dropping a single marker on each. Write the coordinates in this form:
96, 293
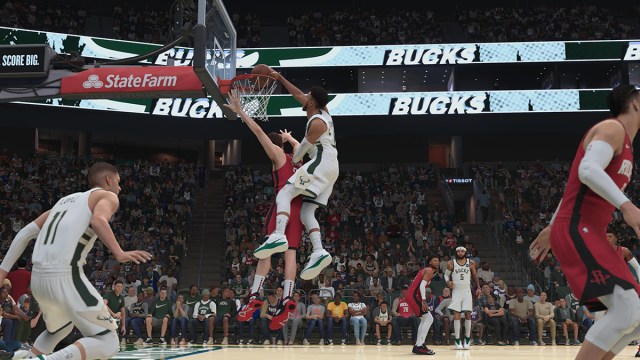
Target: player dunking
314, 180
282, 168
459, 273
601, 169
65, 295
417, 300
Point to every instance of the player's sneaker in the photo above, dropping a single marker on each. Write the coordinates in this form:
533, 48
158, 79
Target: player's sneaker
638, 353
318, 260
285, 307
466, 344
253, 304
20, 354
459, 345
422, 350
275, 243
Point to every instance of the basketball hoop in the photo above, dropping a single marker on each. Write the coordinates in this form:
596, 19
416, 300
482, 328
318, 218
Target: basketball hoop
254, 90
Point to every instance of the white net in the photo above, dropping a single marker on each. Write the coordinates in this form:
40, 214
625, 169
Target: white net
255, 92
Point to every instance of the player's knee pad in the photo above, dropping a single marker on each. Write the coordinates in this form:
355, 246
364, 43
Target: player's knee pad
101, 346
47, 341
284, 197
308, 215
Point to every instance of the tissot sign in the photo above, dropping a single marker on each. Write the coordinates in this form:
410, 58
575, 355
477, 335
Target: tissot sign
25, 60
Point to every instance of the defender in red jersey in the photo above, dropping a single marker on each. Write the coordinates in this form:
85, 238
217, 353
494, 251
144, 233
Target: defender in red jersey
417, 300
600, 172
283, 168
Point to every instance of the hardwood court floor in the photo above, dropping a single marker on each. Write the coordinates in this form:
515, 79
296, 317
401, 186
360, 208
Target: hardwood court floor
351, 352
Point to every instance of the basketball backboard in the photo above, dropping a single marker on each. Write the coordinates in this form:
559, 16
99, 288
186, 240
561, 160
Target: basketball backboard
214, 49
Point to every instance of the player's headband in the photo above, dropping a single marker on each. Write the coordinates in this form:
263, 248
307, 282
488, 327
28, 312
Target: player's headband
461, 248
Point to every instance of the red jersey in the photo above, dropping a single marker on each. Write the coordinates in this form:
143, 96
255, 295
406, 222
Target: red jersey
414, 297
294, 227
592, 207
591, 265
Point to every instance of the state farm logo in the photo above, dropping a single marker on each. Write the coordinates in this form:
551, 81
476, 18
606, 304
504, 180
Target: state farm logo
93, 82
131, 81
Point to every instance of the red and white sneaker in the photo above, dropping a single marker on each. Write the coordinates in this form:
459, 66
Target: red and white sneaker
253, 304
285, 308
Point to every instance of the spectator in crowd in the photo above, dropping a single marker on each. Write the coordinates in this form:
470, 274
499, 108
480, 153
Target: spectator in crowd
315, 316
20, 279
179, 311
337, 313
226, 311
485, 272
545, 317
531, 294
403, 316
34, 313
204, 312
384, 321
159, 315
443, 317
171, 281
476, 322
11, 313
566, 316
115, 304
521, 311
295, 320
251, 324
357, 312
138, 312
267, 312
496, 318
131, 297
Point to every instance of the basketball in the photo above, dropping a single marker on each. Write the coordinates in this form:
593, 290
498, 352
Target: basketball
262, 69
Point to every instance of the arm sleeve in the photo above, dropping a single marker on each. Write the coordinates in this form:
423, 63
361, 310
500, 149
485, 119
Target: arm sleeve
18, 245
591, 172
394, 307
634, 264
441, 306
304, 148
423, 289
447, 275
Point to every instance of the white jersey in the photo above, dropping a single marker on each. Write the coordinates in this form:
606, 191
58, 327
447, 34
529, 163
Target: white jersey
66, 237
326, 141
461, 275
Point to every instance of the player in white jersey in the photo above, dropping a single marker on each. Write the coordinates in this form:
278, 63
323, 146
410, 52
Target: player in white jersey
460, 271
65, 295
314, 180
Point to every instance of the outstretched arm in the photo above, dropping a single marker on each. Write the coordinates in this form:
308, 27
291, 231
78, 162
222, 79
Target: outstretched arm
235, 106
292, 89
286, 135
19, 243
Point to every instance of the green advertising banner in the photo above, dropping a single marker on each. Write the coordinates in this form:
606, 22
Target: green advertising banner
379, 104
380, 55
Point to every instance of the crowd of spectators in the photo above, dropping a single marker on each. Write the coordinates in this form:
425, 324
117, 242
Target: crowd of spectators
364, 28
525, 196
585, 22
346, 26
43, 16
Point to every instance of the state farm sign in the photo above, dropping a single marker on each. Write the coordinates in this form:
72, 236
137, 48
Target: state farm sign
129, 81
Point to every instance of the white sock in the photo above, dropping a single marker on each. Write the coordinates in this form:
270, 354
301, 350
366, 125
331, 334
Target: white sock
456, 329
423, 330
288, 288
70, 352
258, 280
281, 224
467, 328
316, 241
